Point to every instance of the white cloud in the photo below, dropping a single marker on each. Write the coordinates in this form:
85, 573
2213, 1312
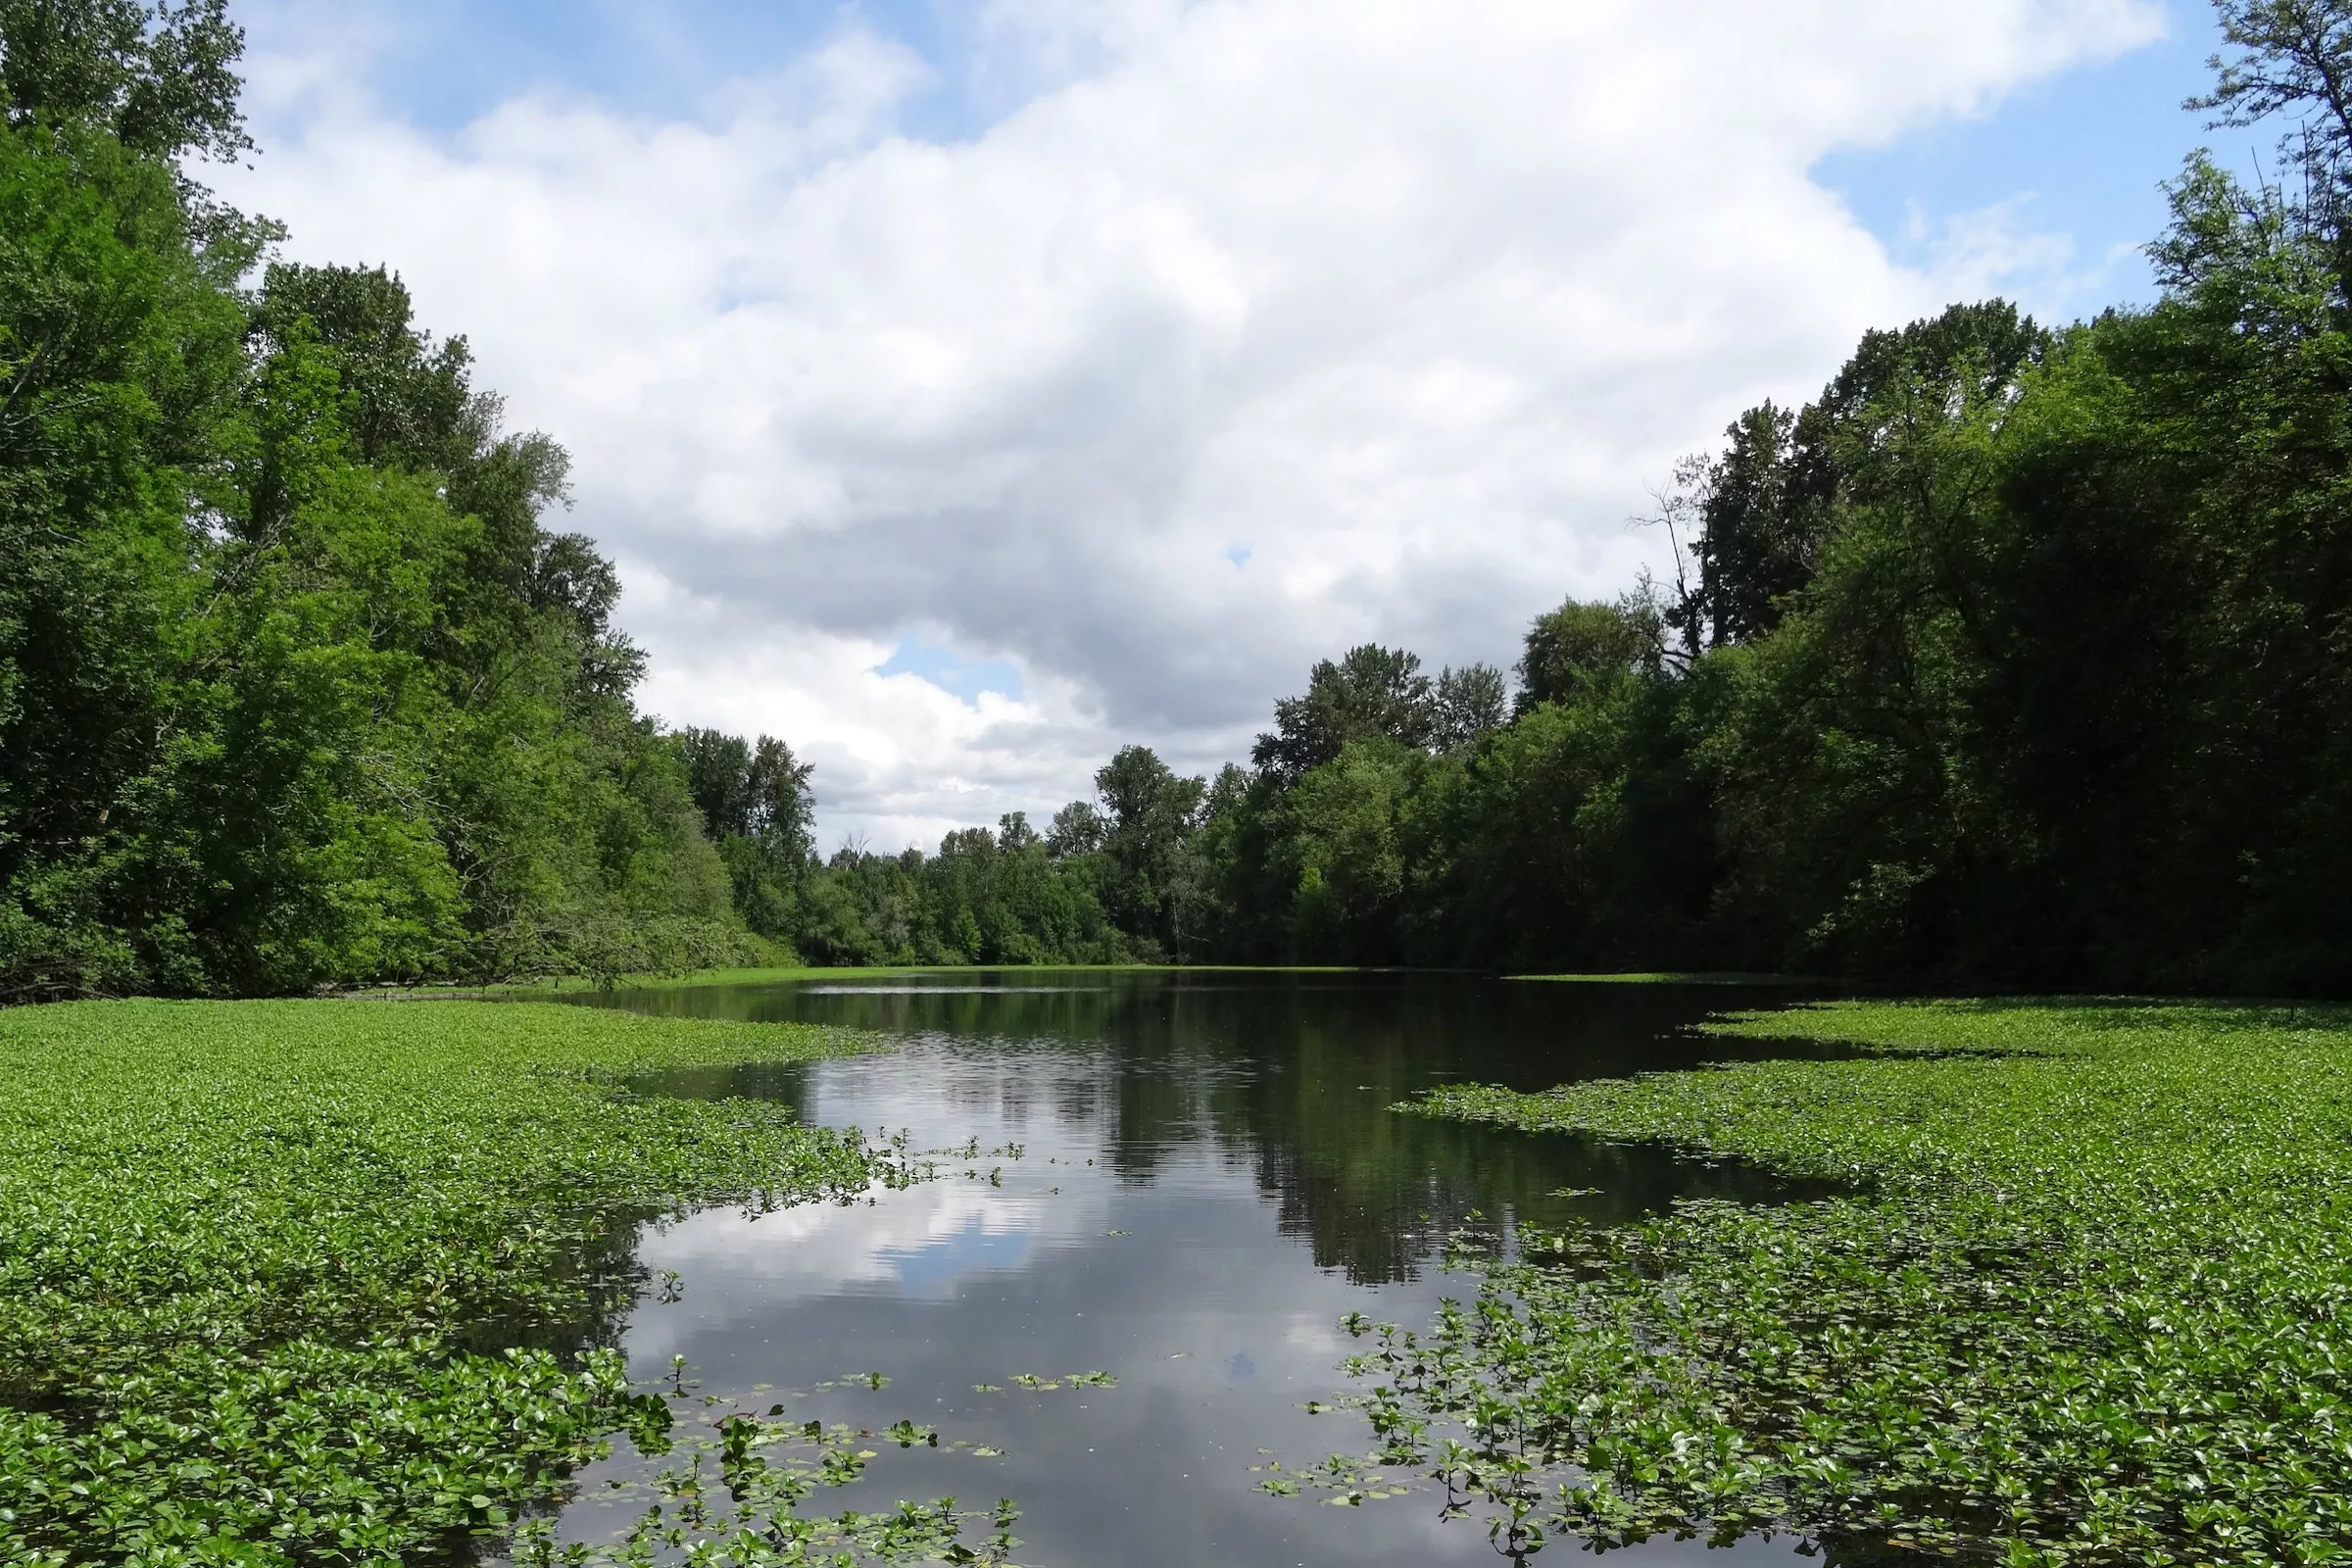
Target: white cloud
1406, 301
1999, 250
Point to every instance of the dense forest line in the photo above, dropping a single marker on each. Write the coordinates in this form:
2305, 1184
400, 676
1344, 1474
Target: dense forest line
296, 686
2019, 656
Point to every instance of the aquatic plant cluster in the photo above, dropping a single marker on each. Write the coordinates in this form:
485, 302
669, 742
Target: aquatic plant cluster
327, 1282
746, 1512
2085, 1303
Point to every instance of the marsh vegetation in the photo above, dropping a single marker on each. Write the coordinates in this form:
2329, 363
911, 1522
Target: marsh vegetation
335, 1282
2019, 656
2086, 1304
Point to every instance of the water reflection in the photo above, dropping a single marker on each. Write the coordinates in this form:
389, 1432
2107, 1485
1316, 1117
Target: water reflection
1292, 1075
1208, 1179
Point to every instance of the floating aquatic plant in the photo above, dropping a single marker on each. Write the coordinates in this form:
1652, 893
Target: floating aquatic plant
731, 1491
2086, 1302
327, 1282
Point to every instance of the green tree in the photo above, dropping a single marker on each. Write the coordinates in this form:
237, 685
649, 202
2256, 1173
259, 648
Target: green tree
1586, 649
1468, 703
1371, 691
123, 372
1151, 813
160, 79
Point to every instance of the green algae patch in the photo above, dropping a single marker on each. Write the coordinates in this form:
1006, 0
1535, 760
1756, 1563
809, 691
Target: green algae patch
335, 1282
2086, 1302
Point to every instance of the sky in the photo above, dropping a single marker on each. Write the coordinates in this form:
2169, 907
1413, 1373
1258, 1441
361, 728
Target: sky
968, 389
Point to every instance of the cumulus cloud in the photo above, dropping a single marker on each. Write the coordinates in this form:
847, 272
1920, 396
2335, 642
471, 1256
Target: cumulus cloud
1247, 331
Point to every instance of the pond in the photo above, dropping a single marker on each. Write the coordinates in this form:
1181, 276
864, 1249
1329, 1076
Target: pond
1184, 1181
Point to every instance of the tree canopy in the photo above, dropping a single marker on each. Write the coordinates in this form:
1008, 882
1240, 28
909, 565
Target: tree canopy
295, 686
2018, 655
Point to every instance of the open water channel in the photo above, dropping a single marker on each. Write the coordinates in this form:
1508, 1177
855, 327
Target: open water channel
1208, 1179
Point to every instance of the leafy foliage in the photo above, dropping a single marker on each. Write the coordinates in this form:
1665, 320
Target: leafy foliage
1009, 897
160, 78
1378, 692
766, 1468
333, 1282
294, 687
2017, 656
2083, 1306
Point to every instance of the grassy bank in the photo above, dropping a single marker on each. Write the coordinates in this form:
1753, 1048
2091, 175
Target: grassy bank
769, 976
2088, 1303
321, 1281
782, 976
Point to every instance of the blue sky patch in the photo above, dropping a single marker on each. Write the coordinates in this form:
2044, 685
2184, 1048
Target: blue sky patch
447, 63
951, 671
2080, 154
2085, 150
945, 1259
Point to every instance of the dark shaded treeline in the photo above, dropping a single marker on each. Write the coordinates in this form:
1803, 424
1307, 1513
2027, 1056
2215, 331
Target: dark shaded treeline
2018, 656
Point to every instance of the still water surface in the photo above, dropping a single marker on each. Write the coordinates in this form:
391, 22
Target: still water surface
1209, 1178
